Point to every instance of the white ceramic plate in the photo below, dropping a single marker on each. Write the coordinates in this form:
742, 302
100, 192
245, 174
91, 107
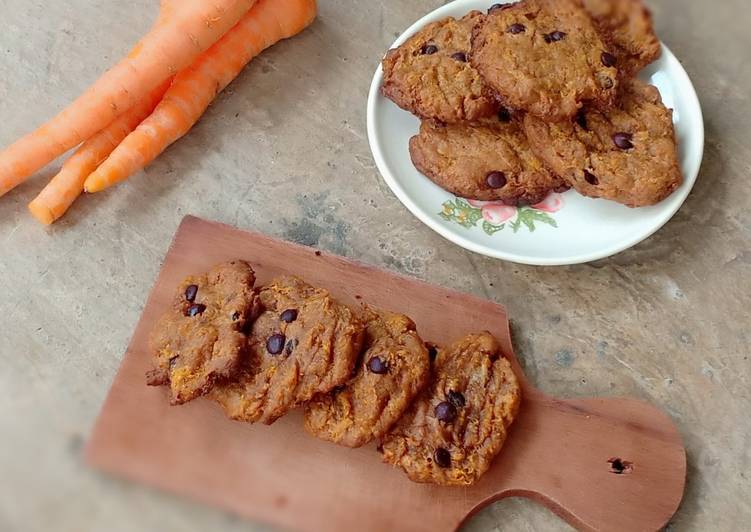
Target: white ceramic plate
566, 228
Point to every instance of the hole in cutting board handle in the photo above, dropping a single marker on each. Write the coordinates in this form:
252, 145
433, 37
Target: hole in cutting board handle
619, 466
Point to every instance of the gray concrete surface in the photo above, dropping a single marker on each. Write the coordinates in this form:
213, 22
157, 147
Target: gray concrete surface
284, 151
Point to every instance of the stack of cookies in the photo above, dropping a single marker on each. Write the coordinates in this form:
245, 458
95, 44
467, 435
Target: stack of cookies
538, 96
441, 414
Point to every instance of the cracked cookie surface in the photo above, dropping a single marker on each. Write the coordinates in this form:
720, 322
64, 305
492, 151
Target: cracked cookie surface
199, 341
455, 428
626, 154
544, 57
487, 160
303, 343
394, 368
430, 75
626, 26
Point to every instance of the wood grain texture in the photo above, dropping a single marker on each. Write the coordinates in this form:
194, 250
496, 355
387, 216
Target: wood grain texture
559, 452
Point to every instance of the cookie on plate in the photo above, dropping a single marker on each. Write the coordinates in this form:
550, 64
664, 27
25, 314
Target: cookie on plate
303, 343
486, 160
626, 154
626, 25
199, 341
429, 74
545, 57
458, 425
394, 368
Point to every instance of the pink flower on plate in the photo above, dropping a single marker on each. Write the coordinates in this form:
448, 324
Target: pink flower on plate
497, 214
478, 204
553, 203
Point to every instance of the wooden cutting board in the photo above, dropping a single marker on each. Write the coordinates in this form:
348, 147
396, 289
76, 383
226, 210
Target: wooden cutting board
601, 464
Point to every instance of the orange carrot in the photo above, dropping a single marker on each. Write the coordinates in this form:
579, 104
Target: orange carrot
266, 23
67, 185
190, 28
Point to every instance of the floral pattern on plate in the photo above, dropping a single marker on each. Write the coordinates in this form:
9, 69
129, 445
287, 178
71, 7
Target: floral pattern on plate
495, 216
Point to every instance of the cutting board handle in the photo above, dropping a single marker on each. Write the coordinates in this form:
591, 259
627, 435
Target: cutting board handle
601, 464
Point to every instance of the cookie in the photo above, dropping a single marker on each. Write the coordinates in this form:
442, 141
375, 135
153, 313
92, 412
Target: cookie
626, 26
303, 343
545, 57
452, 432
429, 74
486, 160
626, 154
199, 341
394, 368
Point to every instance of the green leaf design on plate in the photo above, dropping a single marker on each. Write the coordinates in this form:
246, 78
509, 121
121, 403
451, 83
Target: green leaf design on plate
528, 216
460, 212
491, 229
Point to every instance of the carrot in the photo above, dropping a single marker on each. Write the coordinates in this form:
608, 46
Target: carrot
189, 28
266, 23
67, 185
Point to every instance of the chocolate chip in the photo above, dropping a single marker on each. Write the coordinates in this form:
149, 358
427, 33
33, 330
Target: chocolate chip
291, 346
428, 49
190, 293
195, 309
442, 457
581, 119
591, 178
517, 28
623, 140
609, 60
504, 115
496, 179
555, 36
561, 188
173, 361
432, 351
235, 316
275, 343
459, 56
377, 366
496, 7
445, 411
289, 315
456, 398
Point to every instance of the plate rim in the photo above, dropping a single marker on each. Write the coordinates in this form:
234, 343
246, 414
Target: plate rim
449, 234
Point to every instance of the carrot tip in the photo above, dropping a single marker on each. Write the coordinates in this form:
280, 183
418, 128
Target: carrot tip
92, 186
42, 213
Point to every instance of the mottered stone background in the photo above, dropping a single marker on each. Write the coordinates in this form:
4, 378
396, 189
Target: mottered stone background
284, 151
